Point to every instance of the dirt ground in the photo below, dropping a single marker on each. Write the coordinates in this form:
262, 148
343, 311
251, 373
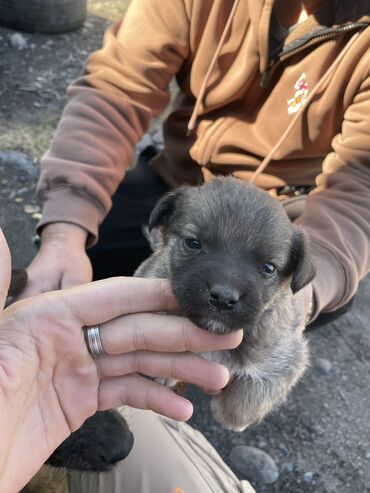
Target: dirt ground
319, 439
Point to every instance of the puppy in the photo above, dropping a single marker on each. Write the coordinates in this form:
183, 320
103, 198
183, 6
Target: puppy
102, 440
235, 260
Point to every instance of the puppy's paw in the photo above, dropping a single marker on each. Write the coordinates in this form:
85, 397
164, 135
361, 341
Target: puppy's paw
102, 440
227, 415
176, 385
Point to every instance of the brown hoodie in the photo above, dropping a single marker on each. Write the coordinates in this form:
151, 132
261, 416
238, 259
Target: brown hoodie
219, 52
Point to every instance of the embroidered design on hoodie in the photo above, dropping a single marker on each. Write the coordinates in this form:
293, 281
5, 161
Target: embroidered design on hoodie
300, 95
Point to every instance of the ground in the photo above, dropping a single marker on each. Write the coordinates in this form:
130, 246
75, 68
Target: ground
320, 439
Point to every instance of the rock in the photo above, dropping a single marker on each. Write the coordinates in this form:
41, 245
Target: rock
367, 455
20, 159
288, 467
31, 209
18, 41
308, 476
254, 464
319, 430
323, 365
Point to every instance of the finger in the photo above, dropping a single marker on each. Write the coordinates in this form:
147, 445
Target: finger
158, 332
186, 367
104, 300
141, 393
5, 269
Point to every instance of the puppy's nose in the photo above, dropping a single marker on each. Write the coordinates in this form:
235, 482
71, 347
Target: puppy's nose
223, 297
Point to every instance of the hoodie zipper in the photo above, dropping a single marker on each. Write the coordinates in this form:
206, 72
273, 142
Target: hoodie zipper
320, 37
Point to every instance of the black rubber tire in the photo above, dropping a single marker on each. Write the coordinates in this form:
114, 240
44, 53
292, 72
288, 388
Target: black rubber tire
43, 16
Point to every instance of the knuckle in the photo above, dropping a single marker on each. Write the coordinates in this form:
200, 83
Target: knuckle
135, 363
140, 340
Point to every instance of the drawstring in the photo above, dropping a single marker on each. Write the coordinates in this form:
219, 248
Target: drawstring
262, 166
203, 87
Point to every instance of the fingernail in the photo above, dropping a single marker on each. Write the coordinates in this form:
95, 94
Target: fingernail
225, 376
238, 337
211, 391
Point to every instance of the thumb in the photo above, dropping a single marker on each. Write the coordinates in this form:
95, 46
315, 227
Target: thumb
5, 269
70, 279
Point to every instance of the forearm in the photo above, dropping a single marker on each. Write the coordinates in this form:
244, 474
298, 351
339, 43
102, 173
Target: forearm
337, 219
91, 151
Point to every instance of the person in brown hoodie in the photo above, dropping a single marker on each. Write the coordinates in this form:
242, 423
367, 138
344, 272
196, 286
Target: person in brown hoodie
263, 93
254, 83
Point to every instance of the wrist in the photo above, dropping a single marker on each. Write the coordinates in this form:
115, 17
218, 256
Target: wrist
61, 232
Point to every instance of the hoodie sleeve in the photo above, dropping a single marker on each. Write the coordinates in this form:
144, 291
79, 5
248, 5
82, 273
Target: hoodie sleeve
109, 110
337, 213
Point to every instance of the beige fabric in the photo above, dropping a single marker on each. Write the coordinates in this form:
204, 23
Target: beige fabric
166, 455
48, 480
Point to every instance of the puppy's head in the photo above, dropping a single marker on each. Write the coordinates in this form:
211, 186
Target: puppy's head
231, 247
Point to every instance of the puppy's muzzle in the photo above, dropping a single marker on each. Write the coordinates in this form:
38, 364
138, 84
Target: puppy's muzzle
223, 297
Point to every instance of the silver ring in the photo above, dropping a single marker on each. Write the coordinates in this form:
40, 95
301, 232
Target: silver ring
93, 340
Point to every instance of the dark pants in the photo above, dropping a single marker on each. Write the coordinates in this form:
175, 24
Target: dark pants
122, 246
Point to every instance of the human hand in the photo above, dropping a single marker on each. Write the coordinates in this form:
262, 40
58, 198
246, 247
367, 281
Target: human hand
49, 383
61, 262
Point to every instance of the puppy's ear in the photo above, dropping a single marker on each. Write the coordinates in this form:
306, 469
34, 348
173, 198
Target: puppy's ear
301, 262
163, 209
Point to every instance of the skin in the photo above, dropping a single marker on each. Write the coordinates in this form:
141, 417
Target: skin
290, 12
50, 384
61, 261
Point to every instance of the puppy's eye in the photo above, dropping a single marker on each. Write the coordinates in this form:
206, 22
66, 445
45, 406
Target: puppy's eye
192, 243
267, 269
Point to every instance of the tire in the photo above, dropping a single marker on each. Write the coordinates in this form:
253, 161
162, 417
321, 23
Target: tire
43, 16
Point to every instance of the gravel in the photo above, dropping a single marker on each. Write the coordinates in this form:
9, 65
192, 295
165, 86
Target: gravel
18, 41
324, 365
